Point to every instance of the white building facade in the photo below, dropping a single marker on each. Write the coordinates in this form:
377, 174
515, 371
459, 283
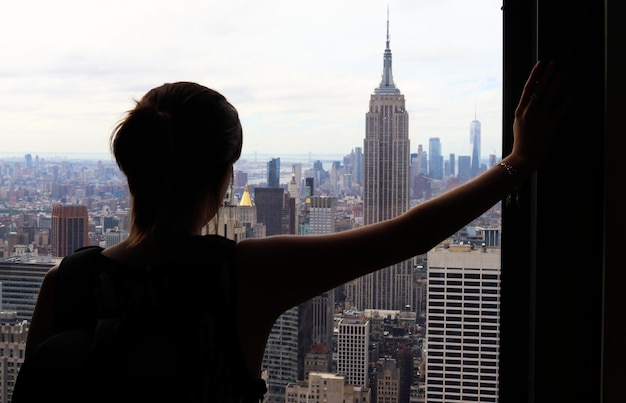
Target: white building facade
353, 348
463, 324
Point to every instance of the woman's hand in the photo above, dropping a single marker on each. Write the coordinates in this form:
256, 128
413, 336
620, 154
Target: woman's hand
542, 104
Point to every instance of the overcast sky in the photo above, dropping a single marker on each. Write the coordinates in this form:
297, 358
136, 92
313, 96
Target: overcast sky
300, 73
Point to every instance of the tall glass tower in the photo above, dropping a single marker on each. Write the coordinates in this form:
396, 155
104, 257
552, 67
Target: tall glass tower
475, 145
435, 159
386, 171
273, 173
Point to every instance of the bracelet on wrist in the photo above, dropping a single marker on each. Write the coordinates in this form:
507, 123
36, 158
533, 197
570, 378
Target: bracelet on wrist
509, 168
511, 171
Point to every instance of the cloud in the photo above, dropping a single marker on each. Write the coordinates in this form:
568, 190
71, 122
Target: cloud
299, 73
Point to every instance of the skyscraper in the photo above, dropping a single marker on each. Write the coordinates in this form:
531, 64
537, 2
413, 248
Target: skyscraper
292, 187
353, 348
435, 159
68, 230
386, 172
322, 214
463, 324
13, 333
20, 282
280, 359
248, 216
322, 221
273, 173
422, 160
464, 171
452, 160
357, 171
309, 187
322, 327
288, 221
475, 145
269, 208
294, 201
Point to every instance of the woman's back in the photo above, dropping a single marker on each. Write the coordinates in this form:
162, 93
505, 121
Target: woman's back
166, 331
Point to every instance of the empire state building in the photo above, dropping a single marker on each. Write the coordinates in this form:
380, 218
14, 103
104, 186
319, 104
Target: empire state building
386, 164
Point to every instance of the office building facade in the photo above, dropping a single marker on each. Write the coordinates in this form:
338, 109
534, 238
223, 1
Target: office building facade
269, 209
463, 324
353, 341
13, 334
324, 387
280, 359
69, 229
323, 307
322, 214
114, 236
20, 280
465, 166
388, 381
318, 359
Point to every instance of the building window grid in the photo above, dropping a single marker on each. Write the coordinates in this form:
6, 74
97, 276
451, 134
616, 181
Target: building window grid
488, 385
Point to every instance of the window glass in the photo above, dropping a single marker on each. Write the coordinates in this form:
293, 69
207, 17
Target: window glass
302, 78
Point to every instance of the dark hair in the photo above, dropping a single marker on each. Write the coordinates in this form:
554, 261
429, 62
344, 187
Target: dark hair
177, 133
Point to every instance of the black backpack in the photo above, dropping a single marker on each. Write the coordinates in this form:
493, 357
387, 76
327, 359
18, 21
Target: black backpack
139, 336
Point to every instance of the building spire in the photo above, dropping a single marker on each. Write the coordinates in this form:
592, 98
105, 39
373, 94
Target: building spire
387, 85
387, 27
246, 200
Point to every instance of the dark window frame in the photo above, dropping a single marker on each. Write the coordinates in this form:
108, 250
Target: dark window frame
562, 304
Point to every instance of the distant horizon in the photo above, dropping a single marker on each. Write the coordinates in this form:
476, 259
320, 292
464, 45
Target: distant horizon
308, 157
260, 156
69, 155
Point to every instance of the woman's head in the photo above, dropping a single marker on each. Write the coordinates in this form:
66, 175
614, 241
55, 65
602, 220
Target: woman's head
176, 148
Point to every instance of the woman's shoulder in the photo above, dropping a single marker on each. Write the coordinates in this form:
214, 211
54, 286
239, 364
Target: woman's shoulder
188, 249
213, 240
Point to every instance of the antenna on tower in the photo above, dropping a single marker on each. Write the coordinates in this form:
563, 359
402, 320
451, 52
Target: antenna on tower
387, 25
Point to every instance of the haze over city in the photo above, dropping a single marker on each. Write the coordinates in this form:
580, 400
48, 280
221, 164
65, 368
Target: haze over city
299, 74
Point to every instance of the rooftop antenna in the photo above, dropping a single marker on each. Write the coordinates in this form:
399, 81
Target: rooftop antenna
387, 25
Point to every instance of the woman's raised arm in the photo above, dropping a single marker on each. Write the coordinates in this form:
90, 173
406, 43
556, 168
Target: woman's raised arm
293, 269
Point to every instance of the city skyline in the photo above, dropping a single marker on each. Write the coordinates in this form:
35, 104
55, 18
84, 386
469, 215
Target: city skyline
296, 156
296, 74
